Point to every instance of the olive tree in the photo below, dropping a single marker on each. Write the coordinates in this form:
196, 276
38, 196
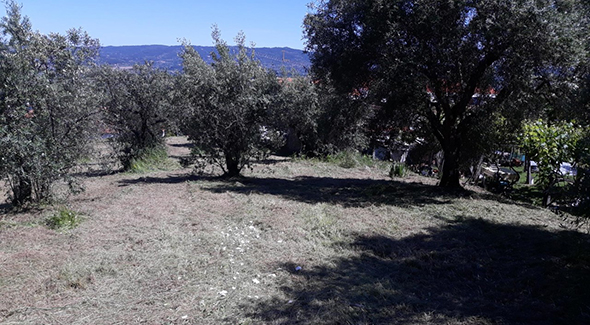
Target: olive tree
137, 108
296, 114
429, 58
226, 105
317, 120
47, 105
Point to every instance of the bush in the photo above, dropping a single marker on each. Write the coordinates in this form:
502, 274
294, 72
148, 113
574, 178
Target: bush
315, 120
550, 145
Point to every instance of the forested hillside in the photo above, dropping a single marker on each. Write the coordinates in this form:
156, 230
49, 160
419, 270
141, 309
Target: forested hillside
167, 57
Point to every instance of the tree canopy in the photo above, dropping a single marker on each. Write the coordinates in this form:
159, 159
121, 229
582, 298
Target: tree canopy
429, 58
48, 106
226, 104
137, 107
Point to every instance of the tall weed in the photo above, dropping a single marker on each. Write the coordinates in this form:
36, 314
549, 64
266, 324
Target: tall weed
151, 159
64, 219
352, 159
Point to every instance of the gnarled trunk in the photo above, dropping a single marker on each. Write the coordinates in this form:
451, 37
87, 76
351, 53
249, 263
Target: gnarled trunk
450, 140
22, 190
450, 171
232, 165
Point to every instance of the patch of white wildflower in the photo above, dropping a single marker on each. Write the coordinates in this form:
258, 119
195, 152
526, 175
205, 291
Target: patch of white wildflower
238, 239
244, 281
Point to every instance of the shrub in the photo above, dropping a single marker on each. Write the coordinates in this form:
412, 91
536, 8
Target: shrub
320, 121
550, 145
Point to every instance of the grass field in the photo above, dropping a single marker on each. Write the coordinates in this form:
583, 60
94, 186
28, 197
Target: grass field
293, 242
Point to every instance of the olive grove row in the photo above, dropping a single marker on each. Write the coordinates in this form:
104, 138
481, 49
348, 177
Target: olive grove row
56, 103
466, 77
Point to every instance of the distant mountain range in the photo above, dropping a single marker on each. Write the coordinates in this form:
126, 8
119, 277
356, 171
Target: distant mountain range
167, 57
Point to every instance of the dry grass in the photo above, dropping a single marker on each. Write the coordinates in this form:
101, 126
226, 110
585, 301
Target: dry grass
292, 242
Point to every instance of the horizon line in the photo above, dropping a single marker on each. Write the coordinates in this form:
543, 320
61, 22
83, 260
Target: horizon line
255, 47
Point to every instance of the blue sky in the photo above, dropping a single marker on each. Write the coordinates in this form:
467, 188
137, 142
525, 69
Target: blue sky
267, 23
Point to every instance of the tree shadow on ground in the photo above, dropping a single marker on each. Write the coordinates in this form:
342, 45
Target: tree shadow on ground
269, 161
97, 173
182, 145
174, 179
5, 207
471, 271
349, 192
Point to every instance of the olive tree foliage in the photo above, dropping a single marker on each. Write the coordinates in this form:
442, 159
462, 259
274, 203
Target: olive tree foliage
227, 105
317, 120
426, 59
343, 121
297, 114
47, 105
137, 108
